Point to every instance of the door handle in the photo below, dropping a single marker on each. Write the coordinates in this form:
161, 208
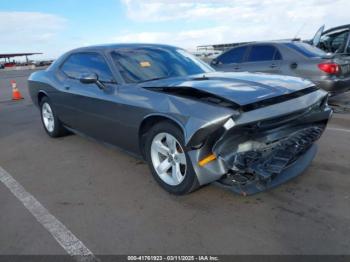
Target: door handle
67, 87
273, 66
293, 65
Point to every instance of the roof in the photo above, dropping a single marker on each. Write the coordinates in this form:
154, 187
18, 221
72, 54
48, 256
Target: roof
107, 48
122, 45
336, 28
17, 54
231, 45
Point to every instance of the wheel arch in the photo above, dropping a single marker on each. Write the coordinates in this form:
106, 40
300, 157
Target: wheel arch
41, 94
150, 121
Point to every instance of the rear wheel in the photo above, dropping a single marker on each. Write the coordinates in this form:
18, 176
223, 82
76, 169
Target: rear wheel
168, 159
51, 123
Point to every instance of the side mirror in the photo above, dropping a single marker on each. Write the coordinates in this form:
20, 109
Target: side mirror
90, 78
214, 61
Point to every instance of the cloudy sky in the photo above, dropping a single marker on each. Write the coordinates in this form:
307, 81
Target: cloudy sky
56, 26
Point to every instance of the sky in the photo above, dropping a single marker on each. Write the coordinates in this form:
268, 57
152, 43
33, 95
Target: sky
56, 26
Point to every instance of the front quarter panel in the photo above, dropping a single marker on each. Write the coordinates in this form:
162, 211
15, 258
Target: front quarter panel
190, 114
40, 81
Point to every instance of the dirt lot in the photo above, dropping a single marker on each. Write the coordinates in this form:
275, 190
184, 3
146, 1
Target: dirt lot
110, 202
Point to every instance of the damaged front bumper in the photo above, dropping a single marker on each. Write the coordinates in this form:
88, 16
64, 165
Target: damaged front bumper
256, 186
257, 155
258, 170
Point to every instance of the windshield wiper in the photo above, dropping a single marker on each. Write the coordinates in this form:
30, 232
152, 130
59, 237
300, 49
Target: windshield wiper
201, 78
153, 79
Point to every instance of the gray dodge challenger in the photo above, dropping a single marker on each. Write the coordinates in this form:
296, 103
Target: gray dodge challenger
246, 132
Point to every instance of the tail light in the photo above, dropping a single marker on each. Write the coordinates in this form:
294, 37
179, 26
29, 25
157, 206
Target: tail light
329, 68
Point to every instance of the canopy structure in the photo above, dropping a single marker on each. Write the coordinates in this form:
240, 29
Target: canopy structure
8, 56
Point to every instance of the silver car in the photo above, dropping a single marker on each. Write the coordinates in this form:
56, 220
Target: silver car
329, 71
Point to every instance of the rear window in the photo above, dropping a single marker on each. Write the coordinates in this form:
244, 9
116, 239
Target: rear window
306, 49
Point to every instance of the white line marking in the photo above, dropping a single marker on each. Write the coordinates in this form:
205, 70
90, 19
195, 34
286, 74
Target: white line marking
339, 129
68, 241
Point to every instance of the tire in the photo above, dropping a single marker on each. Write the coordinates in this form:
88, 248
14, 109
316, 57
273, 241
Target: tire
186, 179
57, 129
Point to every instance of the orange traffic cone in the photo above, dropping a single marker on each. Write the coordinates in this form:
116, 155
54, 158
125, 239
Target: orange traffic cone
16, 95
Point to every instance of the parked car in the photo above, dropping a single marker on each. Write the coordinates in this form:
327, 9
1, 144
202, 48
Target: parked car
334, 40
292, 58
9, 64
43, 62
249, 132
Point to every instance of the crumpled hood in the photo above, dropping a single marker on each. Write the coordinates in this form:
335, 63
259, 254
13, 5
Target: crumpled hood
241, 88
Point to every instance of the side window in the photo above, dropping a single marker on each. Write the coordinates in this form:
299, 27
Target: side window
278, 55
80, 63
235, 55
261, 53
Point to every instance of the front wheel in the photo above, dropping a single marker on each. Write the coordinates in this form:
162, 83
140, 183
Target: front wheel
51, 123
168, 159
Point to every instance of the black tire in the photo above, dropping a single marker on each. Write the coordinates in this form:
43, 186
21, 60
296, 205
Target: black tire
58, 129
190, 182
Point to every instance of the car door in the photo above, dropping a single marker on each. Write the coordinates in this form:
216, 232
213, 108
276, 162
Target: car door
317, 37
263, 58
87, 107
231, 61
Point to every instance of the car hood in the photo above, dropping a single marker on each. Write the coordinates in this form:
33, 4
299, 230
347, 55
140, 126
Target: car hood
241, 88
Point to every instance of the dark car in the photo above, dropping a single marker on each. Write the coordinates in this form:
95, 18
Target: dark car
193, 125
293, 58
334, 40
43, 63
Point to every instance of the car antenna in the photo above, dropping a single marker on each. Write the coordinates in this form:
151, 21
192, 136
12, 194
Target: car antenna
298, 32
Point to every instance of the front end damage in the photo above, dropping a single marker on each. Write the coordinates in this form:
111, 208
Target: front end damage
253, 155
263, 165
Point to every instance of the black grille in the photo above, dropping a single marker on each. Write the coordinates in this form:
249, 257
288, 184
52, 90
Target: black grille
283, 154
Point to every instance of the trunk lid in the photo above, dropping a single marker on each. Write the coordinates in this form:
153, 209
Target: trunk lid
344, 63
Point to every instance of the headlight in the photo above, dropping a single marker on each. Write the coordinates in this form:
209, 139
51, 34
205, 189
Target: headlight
229, 124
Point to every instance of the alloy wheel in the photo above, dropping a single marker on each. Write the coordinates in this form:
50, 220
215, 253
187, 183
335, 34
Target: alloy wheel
168, 159
48, 118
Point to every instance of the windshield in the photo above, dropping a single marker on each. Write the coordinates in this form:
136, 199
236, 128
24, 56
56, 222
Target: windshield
150, 63
306, 49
